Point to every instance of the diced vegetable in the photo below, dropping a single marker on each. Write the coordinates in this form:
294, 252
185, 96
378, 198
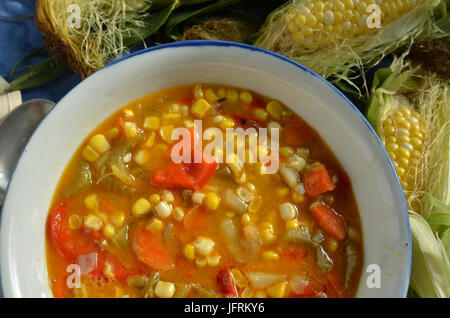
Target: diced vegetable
150, 250
234, 202
226, 283
332, 223
264, 280
318, 181
164, 289
82, 182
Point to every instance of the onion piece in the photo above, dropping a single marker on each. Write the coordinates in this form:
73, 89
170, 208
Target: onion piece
235, 202
264, 280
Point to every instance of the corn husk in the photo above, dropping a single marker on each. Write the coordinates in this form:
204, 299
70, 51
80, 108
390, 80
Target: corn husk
104, 24
429, 199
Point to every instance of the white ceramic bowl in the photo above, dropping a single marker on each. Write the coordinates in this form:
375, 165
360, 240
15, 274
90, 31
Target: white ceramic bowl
378, 193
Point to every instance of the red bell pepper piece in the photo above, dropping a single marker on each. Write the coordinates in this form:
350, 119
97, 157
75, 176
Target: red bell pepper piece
226, 282
187, 175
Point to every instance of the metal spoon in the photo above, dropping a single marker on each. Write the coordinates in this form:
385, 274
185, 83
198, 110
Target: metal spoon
15, 130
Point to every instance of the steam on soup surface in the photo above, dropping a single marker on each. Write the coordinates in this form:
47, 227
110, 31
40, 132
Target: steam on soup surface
132, 223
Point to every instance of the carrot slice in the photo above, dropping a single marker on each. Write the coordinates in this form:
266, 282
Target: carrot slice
318, 181
332, 223
333, 281
150, 250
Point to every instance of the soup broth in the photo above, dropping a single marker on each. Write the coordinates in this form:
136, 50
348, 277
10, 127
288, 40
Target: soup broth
130, 222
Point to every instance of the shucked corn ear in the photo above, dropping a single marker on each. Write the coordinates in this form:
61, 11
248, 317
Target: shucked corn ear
332, 36
410, 110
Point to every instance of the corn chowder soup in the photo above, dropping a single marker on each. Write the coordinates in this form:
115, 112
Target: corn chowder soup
128, 221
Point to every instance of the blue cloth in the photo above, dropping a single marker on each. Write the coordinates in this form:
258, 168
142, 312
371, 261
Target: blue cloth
19, 38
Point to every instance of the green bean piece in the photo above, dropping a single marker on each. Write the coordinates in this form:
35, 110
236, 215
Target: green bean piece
137, 281
121, 239
149, 287
83, 181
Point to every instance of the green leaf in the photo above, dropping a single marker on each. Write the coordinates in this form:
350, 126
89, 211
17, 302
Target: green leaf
439, 219
152, 23
40, 74
436, 203
189, 13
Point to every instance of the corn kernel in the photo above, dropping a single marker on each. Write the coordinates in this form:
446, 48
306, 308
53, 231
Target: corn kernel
201, 261
189, 252
200, 108
164, 289
154, 198
282, 192
260, 294
267, 236
212, 201
226, 123
75, 222
141, 207
142, 157
245, 219
130, 129
167, 196
267, 226
99, 143
333, 245
246, 98
232, 96
109, 231
93, 222
166, 133
198, 197
221, 93
255, 205
210, 96
198, 91
178, 214
270, 255
286, 152
150, 140
278, 290
214, 260
261, 114
230, 215
118, 218
288, 211
163, 209
292, 224
90, 154
155, 225
113, 132
128, 113
91, 202
297, 197
203, 245
274, 108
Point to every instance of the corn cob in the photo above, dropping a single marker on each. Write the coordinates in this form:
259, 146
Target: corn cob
332, 36
403, 135
325, 22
